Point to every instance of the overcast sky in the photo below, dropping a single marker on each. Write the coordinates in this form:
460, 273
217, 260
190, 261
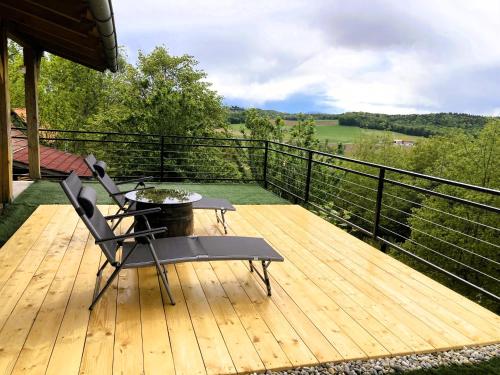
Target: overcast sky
387, 56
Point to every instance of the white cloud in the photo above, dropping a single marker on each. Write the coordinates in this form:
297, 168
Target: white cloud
378, 56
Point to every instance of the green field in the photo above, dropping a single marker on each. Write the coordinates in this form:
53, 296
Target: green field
336, 133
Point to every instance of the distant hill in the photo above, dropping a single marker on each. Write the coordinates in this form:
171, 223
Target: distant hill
237, 115
415, 124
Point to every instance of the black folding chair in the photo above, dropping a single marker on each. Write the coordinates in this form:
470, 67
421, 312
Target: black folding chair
98, 168
149, 251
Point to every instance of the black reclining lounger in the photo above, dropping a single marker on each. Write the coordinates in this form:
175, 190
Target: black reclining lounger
98, 169
158, 252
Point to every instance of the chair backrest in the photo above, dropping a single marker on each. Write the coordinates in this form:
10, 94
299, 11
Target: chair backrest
98, 168
83, 199
90, 160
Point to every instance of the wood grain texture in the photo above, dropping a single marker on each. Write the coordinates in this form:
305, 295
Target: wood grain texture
334, 298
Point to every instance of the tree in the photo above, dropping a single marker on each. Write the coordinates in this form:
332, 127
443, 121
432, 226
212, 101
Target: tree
444, 230
70, 94
170, 96
303, 134
16, 75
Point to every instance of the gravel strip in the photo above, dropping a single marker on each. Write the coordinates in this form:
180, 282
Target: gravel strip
400, 364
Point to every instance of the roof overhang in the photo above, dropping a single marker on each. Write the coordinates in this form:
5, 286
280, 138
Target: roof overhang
82, 31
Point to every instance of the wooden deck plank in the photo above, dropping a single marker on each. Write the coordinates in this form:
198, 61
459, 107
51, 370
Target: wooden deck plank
388, 284
455, 328
315, 304
19, 244
155, 341
380, 278
334, 297
17, 326
438, 292
362, 291
185, 350
269, 350
320, 274
291, 343
98, 351
212, 347
13, 288
239, 344
128, 357
264, 341
37, 349
67, 352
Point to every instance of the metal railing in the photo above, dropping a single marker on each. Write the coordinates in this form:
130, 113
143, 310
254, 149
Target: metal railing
449, 226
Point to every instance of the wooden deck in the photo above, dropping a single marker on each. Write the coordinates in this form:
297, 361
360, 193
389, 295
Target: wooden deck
334, 298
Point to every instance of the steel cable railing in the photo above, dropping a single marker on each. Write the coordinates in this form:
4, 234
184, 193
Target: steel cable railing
434, 221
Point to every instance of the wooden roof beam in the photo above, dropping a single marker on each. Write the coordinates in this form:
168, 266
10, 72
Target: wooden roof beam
39, 25
51, 15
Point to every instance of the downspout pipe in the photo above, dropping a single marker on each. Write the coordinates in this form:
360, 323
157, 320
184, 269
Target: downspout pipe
102, 11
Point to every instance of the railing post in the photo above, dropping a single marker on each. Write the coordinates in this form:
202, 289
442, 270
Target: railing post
308, 176
162, 149
378, 206
264, 170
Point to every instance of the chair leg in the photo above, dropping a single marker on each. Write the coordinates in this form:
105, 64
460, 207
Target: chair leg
161, 272
108, 283
264, 276
164, 276
222, 212
221, 219
98, 279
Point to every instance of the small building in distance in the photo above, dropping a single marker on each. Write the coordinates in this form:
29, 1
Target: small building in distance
403, 142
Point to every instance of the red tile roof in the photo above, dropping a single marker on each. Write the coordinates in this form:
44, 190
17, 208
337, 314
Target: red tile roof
51, 159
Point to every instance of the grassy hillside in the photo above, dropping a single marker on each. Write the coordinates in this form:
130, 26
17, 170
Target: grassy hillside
349, 134
413, 124
328, 130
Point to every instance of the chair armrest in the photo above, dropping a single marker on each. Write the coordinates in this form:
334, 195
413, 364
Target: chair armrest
129, 191
139, 180
142, 233
133, 213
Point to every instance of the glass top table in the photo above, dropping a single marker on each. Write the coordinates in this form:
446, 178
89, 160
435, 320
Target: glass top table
176, 210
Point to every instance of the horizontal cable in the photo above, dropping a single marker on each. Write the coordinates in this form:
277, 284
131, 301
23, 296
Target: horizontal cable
283, 182
442, 226
440, 269
347, 191
441, 240
342, 208
344, 180
354, 204
288, 175
440, 254
440, 211
444, 196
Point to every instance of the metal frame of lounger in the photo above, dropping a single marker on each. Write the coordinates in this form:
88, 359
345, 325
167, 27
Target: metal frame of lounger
98, 169
216, 204
160, 251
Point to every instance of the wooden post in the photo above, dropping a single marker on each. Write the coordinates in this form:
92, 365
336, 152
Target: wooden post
5, 140
32, 66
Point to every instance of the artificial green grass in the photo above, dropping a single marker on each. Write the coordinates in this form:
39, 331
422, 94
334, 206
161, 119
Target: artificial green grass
47, 192
490, 367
